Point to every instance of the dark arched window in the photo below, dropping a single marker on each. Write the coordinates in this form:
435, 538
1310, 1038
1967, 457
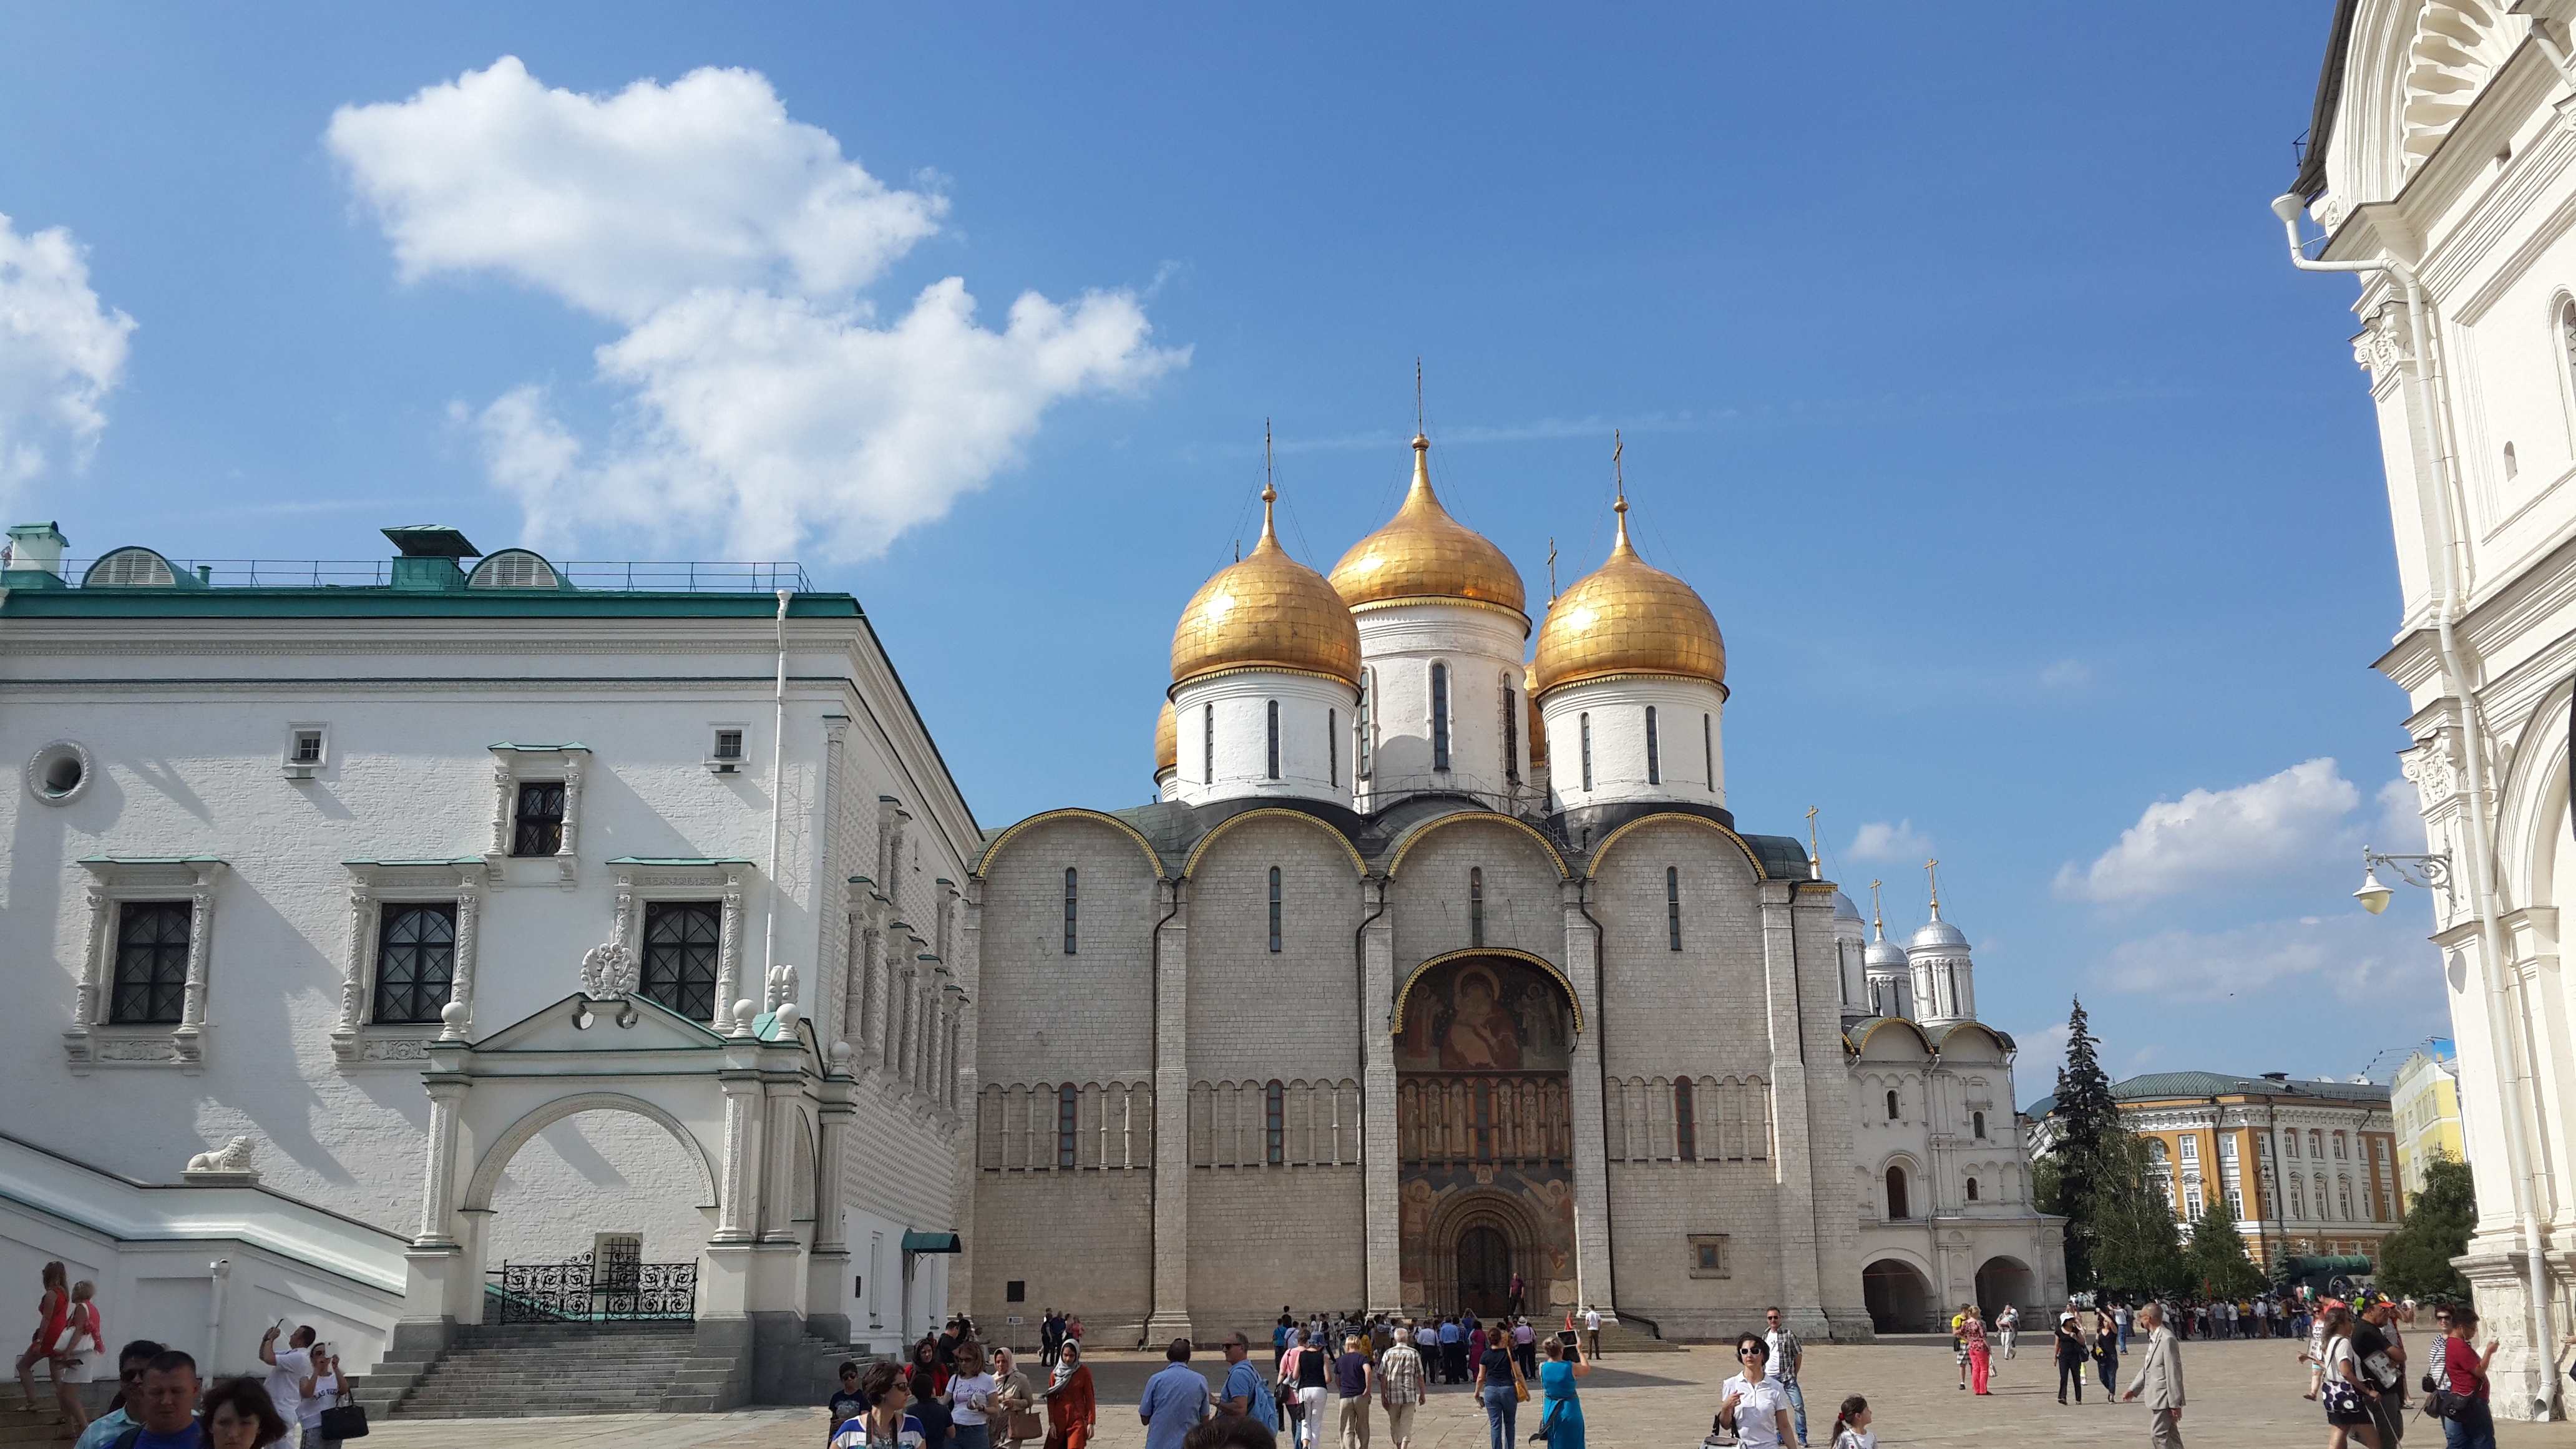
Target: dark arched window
1977, 1121
1274, 1117
1972, 1189
1685, 1126
1440, 716
1070, 884
1476, 906
1511, 735
1274, 909
1368, 693
1673, 905
1274, 739
1068, 1118
1654, 751
1896, 1194
1891, 1104
1333, 747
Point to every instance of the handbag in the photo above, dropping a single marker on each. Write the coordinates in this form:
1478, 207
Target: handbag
343, 1420
1520, 1386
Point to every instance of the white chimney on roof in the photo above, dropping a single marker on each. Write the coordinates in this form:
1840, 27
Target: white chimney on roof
34, 548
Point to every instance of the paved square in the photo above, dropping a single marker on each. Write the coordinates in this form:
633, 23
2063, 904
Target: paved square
2241, 1394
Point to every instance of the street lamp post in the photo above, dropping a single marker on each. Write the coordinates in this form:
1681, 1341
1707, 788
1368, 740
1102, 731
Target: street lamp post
2431, 872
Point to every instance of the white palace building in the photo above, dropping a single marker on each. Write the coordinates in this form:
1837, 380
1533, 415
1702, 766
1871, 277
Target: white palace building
426, 947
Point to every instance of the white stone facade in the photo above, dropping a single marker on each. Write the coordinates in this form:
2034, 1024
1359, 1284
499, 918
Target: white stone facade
2442, 167
268, 788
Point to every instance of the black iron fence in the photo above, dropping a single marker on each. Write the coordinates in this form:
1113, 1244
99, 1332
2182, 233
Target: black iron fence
578, 1290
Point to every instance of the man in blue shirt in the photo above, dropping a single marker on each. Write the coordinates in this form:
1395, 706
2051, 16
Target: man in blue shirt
1244, 1392
1174, 1400
169, 1406
1453, 1349
130, 1363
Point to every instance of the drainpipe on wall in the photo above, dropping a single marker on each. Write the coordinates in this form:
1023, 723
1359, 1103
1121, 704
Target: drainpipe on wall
777, 805
2504, 981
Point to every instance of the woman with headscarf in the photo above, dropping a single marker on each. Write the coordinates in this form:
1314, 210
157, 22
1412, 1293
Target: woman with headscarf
1015, 1404
1073, 1414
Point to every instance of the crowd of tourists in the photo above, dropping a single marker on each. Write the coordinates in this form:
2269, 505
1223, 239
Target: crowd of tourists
161, 1402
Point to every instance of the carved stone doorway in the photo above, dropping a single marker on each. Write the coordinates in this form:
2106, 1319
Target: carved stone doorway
1484, 1270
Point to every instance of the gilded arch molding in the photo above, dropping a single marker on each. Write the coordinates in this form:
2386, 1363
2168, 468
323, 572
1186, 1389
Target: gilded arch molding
1423, 969
1273, 812
1414, 836
984, 865
1601, 852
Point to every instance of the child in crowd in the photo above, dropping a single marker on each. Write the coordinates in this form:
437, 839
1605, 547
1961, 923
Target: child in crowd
1851, 1425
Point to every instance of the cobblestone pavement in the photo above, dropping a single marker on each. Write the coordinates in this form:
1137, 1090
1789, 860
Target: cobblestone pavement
2241, 1393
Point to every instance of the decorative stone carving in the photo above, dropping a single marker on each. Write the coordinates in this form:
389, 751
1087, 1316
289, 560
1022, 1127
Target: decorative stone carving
230, 1166
2382, 342
2458, 46
781, 985
609, 971
2434, 766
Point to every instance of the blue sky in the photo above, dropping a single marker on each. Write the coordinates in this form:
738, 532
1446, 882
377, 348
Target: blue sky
1957, 360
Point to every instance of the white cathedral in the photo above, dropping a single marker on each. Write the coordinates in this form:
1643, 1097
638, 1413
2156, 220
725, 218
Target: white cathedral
459, 941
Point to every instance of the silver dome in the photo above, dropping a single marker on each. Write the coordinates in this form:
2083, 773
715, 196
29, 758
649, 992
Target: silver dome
1884, 954
1938, 932
1844, 910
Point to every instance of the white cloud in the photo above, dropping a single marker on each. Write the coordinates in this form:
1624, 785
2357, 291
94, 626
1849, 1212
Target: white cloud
2360, 958
622, 204
2400, 830
769, 403
61, 352
2208, 837
1879, 840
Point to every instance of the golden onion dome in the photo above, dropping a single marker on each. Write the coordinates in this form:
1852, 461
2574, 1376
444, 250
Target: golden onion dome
1627, 618
1423, 553
1537, 732
1167, 740
1266, 611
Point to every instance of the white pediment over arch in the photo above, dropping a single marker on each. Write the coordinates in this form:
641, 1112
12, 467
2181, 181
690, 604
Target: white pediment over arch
627, 1024
2412, 69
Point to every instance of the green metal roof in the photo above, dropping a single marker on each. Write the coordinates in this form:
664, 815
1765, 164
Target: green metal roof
364, 602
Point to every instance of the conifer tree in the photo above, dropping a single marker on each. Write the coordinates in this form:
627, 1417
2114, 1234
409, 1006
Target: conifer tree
2071, 1178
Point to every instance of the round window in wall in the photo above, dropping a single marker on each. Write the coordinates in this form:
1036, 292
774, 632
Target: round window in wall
59, 772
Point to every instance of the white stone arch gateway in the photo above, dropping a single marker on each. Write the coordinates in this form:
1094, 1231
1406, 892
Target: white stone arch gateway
736, 1102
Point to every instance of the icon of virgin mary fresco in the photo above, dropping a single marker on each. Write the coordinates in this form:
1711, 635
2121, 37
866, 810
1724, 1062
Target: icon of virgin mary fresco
1481, 1034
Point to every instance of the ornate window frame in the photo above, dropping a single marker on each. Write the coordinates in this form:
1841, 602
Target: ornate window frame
642, 880
514, 763
359, 1043
93, 1041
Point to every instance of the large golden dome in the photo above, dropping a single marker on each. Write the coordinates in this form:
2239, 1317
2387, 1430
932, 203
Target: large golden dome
1423, 553
1266, 611
1167, 739
1627, 618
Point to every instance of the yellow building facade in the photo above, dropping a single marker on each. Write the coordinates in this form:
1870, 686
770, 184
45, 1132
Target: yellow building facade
2424, 1101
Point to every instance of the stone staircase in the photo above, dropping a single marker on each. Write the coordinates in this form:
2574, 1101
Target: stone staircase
18, 1427
534, 1369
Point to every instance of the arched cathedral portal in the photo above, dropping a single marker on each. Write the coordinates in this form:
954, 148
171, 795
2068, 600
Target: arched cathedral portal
1484, 1138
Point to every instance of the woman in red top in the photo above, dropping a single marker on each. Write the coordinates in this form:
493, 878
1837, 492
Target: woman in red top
50, 1313
2466, 1369
1073, 1411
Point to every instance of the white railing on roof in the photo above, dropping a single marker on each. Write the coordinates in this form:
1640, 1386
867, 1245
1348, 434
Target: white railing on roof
654, 576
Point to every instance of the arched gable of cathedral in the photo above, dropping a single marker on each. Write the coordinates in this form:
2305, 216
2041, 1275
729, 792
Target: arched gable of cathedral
1602, 853
1972, 1042
1276, 813
1050, 938
1273, 986
1545, 966
1889, 1039
1476, 879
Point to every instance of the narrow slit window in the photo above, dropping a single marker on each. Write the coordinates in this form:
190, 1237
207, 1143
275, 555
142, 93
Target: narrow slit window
1511, 736
1274, 739
1673, 905
1368, 714
1891, 1104
1476, 906
1977, 1120
1333, 748
1072, 894
1068, 1122
1654, 751
1584, 722
1685, 1128
1440, 716
1708, 750
1972, 1189
1207, 746
1274, 910
1274, 1120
